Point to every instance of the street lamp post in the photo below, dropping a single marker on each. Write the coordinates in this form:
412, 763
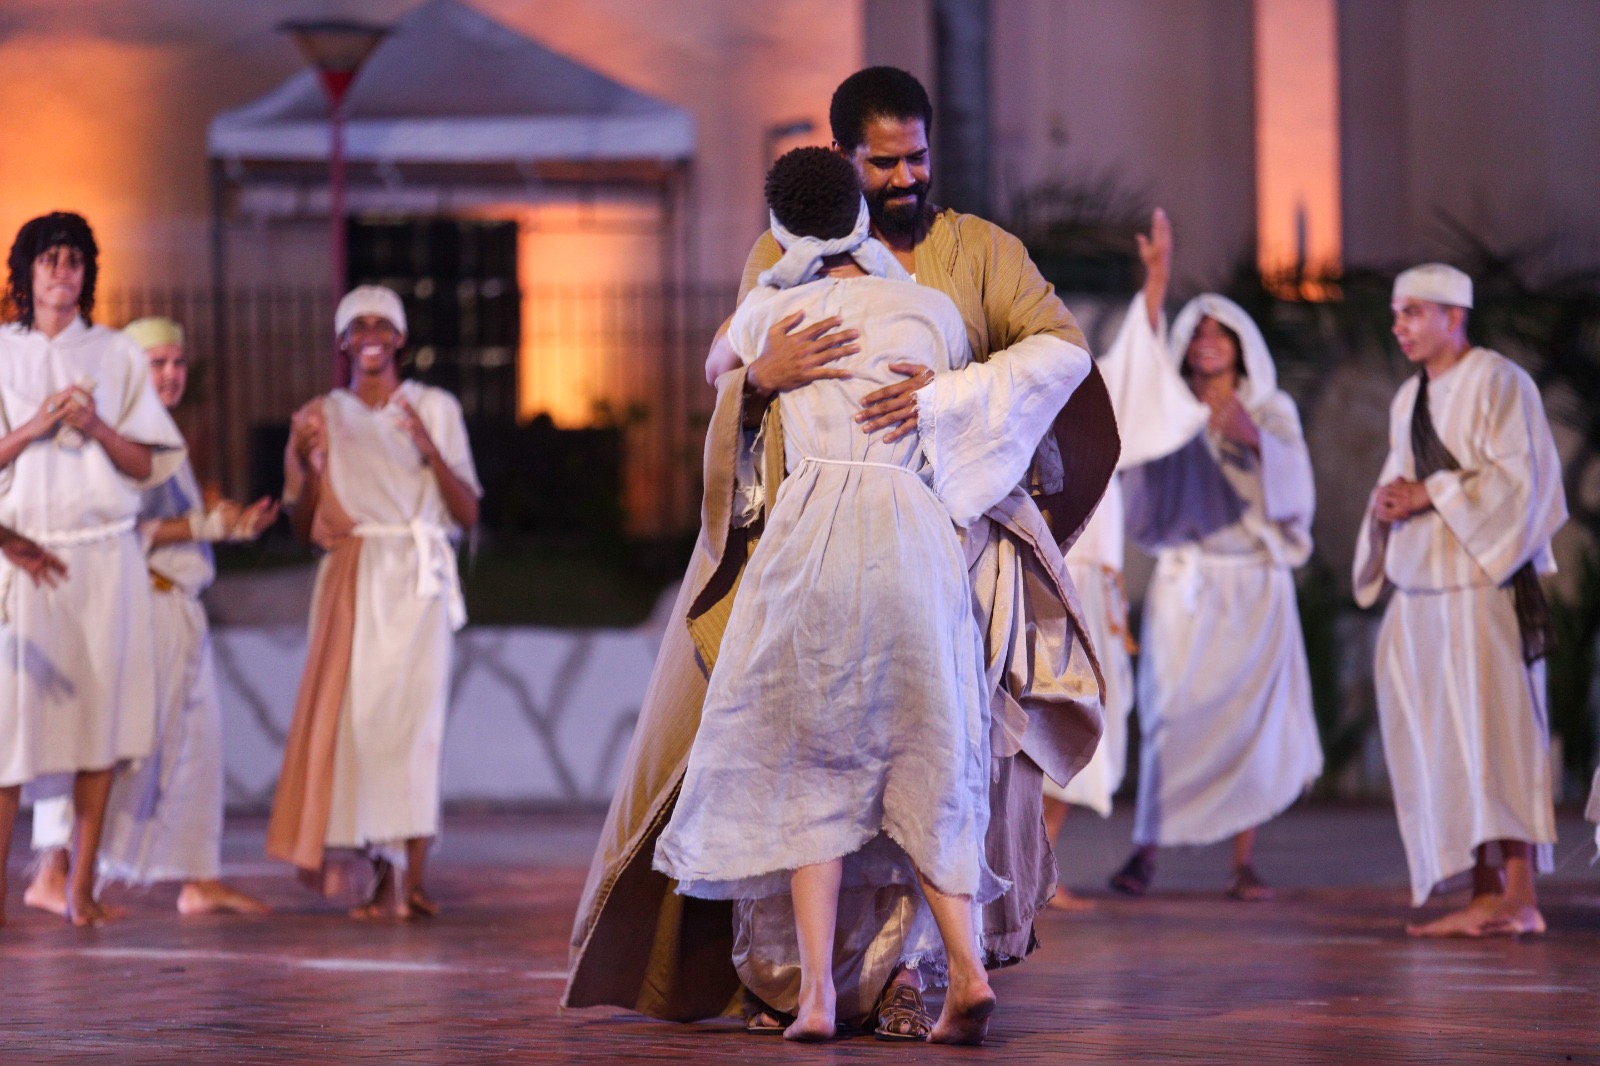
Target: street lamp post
336, 49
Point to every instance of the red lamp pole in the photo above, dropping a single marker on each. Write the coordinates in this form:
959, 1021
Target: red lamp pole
336, 49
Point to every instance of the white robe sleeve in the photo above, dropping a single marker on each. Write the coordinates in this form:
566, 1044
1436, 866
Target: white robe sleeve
140, 417
981, 424
1505, 511
1367, 578
442, 418
1288, 488
1289, 493
1156, 411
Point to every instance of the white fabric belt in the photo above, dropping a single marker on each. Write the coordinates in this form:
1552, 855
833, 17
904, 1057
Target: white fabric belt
72, 538
436, 562
1184, 563
62, 538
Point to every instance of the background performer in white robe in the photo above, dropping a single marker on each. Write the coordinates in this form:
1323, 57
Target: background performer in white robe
83, 434
164, 817
1460, 526
1228, 735
1156, 415
381, 476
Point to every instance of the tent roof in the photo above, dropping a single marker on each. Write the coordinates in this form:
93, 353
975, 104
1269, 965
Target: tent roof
450, 86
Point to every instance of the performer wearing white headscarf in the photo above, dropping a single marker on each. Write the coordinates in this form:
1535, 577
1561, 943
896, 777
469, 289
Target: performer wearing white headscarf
1156, 415
380, 475
83, 435
1229, 736
1459, 527
164, 817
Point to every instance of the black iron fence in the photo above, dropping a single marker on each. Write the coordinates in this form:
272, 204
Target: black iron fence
624, 357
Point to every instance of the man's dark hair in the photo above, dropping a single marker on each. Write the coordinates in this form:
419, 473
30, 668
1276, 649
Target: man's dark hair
814, 192
876, 92
38, 236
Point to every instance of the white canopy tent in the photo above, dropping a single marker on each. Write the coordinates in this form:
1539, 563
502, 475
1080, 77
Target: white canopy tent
451, 113
452, 96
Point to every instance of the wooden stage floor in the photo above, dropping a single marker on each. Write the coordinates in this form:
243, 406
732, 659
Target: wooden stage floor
1323, 974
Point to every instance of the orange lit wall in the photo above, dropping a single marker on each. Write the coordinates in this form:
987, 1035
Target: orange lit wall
582, 268
90, 126
1297, 136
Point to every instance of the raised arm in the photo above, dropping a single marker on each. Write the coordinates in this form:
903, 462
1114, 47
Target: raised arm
1156, 252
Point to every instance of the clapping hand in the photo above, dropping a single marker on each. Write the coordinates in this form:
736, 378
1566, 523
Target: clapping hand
308, 432
1231, 422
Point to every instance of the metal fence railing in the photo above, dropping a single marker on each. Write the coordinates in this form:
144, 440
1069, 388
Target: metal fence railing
629, 356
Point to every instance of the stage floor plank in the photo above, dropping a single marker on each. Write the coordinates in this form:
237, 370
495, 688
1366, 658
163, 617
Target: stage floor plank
1322, 974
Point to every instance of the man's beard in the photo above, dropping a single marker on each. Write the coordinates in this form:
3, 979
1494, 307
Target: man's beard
899, 219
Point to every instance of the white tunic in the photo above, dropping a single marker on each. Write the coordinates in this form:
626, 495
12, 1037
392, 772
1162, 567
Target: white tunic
846, 715
391, 726
77, 690
1465, 731
164, 819
1229, 738
164, 816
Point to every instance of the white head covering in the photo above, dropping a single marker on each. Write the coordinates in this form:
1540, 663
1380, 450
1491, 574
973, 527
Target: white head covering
1260, 378
802, 256
1435, 282
150, 333
375, 300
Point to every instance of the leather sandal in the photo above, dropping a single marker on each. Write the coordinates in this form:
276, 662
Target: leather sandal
902, 1015
1247, 887
1135, 876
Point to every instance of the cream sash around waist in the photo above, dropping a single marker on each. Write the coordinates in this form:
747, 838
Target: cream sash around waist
436, 562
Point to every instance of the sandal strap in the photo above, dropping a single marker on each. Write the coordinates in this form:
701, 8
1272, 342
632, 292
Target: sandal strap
902, 1012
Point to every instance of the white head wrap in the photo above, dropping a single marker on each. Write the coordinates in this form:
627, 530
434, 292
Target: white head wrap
150, 333
1435, 282
803, 256
1260, 379
374, 300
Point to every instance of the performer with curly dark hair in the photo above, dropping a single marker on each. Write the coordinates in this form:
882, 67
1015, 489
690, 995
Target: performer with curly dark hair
81, 434
58, 233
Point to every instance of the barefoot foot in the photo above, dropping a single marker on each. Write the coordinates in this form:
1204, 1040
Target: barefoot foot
1514, 919
48, 889
814, 1019
964, 1018
1469, 921
216, 897
90, 913
1066, 901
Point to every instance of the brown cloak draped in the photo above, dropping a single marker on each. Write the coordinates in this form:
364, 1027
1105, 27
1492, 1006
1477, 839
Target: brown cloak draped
639, 945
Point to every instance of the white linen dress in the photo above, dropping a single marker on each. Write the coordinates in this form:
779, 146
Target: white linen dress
1229, 738
408, 605
1465, 730
164, 816
846, 715
77, 683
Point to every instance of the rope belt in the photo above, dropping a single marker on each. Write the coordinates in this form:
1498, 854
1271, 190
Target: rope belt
62, 538
436, 562
864, 462
72, 538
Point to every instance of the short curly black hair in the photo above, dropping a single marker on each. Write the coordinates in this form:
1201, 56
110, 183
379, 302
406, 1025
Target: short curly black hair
36, 237
814, 192
876, 92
